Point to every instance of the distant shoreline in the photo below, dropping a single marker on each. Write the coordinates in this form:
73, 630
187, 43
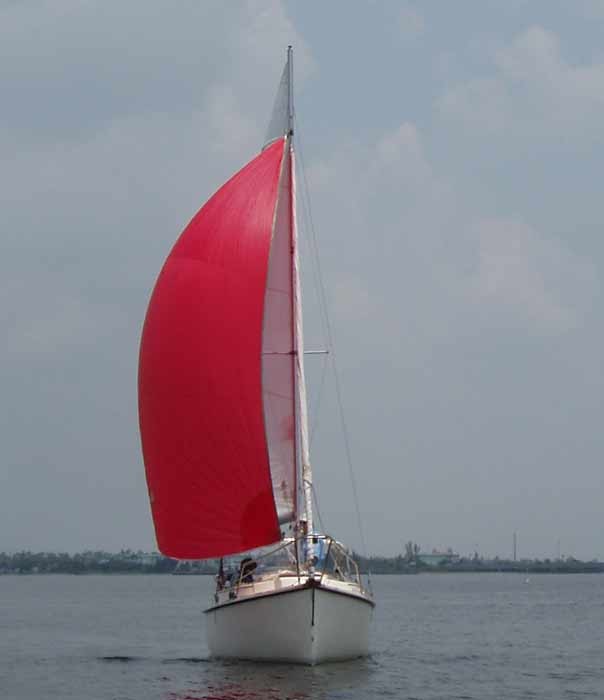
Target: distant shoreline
435, 572
129, 562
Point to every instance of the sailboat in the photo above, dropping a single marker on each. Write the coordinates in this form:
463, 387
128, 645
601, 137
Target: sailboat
224, 422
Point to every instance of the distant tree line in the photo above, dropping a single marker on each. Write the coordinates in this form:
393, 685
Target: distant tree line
125, 561
407, 563
412, 561
128, 562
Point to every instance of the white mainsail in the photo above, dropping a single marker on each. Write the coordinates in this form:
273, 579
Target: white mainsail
283, 312
278, 357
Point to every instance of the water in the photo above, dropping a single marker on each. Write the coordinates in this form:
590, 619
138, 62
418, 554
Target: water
464, 636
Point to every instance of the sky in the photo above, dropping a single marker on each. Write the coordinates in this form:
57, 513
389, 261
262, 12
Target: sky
453, 154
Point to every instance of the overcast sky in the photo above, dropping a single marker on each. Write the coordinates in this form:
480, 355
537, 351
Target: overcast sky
454, 158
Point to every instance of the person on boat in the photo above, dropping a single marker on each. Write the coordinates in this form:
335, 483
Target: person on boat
221, 576
246, 570
321, 550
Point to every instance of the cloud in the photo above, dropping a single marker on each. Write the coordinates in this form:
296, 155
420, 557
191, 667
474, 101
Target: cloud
532, 91
85, 67
592, 9
400, 153
435, 262
411, 22
534, 61
535, 279
481, 102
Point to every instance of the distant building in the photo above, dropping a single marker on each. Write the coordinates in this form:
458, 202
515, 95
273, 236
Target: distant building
436, 558
148, 559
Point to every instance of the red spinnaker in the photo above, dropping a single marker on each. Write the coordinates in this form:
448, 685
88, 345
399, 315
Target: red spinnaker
200, 383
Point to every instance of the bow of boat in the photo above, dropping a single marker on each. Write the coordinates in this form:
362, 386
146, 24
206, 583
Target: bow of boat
286, 617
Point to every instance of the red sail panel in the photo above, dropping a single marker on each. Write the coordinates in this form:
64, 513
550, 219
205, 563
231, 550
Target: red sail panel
200, 375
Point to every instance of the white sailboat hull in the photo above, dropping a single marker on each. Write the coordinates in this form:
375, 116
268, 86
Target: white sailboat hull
308, 624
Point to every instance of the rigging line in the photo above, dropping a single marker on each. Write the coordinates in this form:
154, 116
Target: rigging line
307, 215
318, 394
317, 403
331, 346
307, 241
317, 509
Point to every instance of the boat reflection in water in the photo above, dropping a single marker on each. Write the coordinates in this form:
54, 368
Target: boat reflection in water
266, 681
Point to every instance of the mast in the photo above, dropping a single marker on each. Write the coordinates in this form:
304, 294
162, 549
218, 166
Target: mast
290, 93
302, 406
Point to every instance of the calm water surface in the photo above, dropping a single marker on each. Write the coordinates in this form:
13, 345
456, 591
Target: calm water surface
470, 637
